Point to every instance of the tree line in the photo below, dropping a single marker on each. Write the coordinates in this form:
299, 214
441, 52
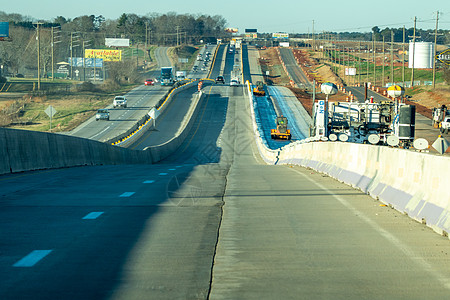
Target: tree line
70, 36
377, 34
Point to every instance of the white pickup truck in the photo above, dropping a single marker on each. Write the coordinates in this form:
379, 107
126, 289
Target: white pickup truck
445, 124
120, 101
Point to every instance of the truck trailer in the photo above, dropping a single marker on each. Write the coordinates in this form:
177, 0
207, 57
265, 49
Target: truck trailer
167, 76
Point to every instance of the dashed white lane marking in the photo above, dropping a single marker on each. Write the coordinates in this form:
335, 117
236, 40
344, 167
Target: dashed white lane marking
127, 194
93, 215
31, 259
162, 174
100, 132
149, 181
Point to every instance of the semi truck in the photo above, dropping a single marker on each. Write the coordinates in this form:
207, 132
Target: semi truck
167, 76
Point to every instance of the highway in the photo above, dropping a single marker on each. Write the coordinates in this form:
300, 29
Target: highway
210, 222
140, 101
295, 72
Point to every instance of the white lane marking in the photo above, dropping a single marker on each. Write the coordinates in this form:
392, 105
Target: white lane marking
387, 235
149, 181
172, 169
127, 194
31, 259
93, 215
100, 132
162, 174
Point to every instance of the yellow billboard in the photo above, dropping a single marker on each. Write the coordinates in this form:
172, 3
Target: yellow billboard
105, 54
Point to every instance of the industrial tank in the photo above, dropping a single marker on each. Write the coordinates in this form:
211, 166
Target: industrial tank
423, 59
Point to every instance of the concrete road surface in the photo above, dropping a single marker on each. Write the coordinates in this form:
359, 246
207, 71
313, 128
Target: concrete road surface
210, 222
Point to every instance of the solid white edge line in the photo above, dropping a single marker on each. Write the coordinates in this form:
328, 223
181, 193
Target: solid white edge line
386, 234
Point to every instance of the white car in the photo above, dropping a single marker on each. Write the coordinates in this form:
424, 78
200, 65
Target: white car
234, 82
102, 114
120, 101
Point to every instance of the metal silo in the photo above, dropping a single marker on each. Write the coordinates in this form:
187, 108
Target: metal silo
423, 59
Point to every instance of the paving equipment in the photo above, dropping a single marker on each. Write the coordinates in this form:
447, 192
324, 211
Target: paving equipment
281, 133
258, 90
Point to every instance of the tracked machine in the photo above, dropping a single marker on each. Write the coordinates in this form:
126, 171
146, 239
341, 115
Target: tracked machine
281, 133
258, 90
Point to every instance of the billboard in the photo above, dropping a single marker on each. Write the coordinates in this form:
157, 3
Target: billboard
280, 35
251, 30
350, 71
112, 42
251, 35
106, 55
444, 57
88, 62
284, 44
4, 29
231, 30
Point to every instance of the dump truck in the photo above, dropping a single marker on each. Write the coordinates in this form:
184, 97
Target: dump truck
258, 90
281, 133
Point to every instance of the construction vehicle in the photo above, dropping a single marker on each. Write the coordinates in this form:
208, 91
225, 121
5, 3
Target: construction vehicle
258, 90
281, 133
439, 114
384, 123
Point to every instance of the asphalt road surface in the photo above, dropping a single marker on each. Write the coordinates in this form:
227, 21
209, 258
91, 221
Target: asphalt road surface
140, 101
210, 222
296, 73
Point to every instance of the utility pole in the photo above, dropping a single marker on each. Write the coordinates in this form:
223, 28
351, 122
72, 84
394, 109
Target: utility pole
71, 55
178, 39
146, 35
359, 66
392, 57
137, 56
413, 52
403, 58
38, 40
382, 62
367, 66
374, 50
53, 63
434, 54
313, 38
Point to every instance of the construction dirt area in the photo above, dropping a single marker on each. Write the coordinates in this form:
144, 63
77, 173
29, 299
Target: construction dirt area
424, 97
270, 61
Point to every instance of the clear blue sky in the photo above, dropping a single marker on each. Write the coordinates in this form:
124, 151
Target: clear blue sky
264, 15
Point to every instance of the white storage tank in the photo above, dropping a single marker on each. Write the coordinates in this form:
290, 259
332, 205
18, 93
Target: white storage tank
423, 59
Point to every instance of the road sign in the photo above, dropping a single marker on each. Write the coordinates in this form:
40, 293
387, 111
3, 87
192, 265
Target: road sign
50, 111
444, 57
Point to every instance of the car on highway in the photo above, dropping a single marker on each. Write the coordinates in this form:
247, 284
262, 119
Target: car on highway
220, 79
120, 101
149, 82
102, 114
234, 82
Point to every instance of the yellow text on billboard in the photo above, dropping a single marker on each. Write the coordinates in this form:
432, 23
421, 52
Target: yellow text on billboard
105, 54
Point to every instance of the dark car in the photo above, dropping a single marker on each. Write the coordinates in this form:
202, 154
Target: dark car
220, 79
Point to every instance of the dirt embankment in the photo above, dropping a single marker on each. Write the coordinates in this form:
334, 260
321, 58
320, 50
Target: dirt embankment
270, 61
